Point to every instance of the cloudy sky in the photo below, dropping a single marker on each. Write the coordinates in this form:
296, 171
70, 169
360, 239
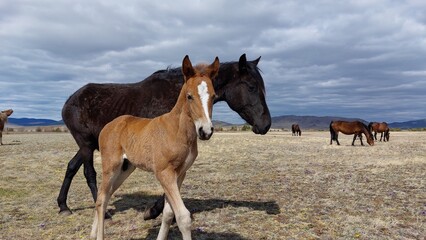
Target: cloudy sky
360, 58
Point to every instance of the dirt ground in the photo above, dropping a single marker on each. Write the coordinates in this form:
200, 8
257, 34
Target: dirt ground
242, 186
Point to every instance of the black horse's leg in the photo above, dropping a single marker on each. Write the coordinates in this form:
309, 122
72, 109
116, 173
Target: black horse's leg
381, 136
375, 136
72, 168
90, 173
156, 210
360, 138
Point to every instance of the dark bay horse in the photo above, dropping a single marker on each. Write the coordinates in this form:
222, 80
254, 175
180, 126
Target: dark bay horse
165, 145
3, 119
295, 129
90, 108
381, 128
356, 127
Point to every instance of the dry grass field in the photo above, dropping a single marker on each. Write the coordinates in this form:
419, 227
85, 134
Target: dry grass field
242, 186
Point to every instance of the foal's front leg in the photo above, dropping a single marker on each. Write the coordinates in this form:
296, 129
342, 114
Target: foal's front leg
174, 205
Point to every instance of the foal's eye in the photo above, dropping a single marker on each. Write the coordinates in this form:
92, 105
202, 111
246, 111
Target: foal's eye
189, 96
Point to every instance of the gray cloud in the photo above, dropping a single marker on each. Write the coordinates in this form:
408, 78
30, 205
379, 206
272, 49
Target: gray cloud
353, 58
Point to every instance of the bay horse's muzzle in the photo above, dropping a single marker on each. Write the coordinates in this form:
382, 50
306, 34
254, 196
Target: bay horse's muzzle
203, 134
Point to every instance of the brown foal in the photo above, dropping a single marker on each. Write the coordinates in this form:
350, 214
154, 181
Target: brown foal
165, 145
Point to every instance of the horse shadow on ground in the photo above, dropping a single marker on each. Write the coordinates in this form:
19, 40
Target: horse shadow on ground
174, 233
140, 201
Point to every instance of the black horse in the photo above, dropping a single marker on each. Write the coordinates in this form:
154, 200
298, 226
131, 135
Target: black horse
91, 107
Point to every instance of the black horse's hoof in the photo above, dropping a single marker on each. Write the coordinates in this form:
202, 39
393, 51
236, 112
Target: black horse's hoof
65, 212
151, 213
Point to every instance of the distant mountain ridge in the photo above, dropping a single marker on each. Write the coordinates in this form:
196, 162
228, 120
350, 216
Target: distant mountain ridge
33, 122
285, 121
421, 123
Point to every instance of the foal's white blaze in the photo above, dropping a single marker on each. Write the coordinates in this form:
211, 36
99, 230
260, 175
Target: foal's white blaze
203, 91
206, 124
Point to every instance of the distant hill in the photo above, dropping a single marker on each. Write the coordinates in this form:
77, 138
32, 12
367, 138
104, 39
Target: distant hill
308, 122
409, 124
305, 122
33, 122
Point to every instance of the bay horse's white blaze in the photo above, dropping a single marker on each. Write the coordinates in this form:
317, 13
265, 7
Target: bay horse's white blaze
165, 145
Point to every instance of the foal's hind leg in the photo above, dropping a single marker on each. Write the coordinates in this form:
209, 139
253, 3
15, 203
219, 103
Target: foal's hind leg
112, 178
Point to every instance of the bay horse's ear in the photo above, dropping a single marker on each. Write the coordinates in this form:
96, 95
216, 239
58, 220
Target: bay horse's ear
187, 69
214, 68
242, 64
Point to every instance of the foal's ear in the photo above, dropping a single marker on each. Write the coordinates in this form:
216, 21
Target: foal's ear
214, 68
187, 69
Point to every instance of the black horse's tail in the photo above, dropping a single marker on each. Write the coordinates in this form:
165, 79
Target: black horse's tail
332, 132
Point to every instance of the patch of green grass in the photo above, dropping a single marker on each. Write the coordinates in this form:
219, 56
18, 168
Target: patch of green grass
11, 193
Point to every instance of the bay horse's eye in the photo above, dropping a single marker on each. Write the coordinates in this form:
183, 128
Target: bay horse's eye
189, 96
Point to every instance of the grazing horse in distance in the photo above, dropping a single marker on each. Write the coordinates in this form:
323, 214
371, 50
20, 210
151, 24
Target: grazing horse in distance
381, 128
90, 108
165, 145
356, 127
3, 119
295, 129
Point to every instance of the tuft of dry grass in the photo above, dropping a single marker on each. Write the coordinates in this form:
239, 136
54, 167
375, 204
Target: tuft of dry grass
242, 186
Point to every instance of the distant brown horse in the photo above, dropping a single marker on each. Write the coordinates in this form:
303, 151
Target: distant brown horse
165, 145
3, 119
356, 127
295, 129
381, 128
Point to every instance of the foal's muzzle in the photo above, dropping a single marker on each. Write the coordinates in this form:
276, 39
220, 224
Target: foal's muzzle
205, 134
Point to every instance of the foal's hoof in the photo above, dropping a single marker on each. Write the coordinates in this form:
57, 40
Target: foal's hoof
65, 212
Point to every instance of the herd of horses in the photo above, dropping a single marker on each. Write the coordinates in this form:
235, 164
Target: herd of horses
356, 128
171, 108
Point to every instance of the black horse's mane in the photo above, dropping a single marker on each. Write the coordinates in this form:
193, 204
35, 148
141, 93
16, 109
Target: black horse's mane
173, 70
